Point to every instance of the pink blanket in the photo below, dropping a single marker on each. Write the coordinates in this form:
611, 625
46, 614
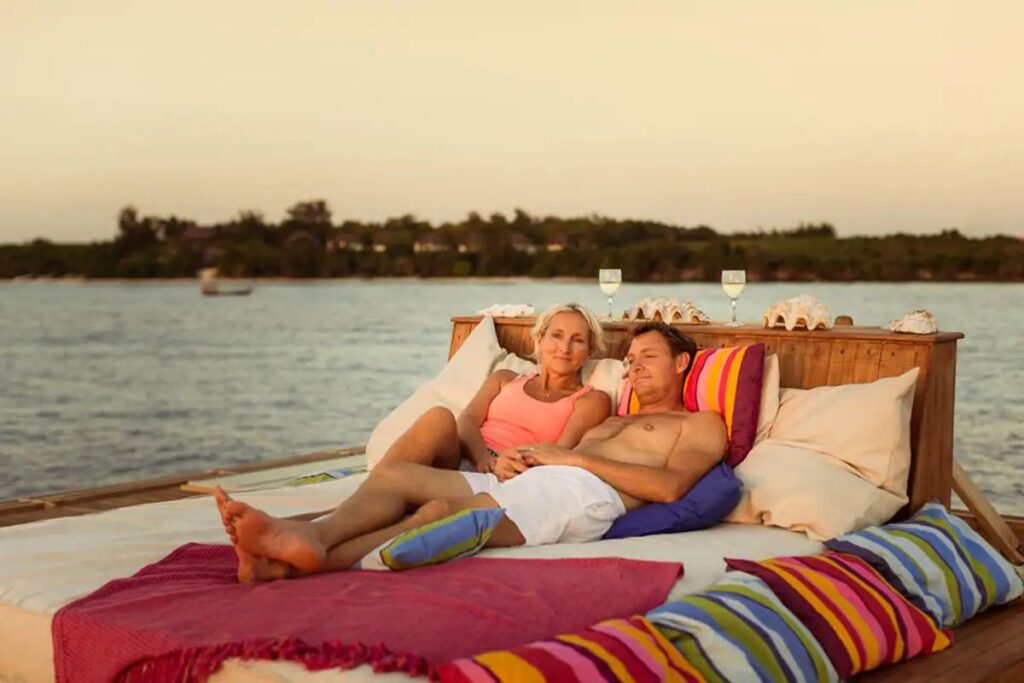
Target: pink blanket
179, 618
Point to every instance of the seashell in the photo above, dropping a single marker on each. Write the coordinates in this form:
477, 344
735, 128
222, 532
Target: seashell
915, 322
639, 311
800, 311
667, 310
689, 314
507, 310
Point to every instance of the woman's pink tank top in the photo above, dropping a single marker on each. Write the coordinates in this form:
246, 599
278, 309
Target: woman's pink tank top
515, 418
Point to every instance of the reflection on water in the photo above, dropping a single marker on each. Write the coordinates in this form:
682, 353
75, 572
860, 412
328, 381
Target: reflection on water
105, 382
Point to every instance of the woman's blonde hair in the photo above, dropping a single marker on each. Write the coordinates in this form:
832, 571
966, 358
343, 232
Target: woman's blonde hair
598, 346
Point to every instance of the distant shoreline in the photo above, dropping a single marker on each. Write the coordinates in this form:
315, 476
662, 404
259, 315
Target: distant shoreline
286, 280
452, 280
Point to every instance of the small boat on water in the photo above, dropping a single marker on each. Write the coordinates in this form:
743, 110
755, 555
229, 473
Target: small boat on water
209, 286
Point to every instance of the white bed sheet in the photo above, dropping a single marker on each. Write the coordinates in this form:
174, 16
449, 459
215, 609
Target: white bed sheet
47, 564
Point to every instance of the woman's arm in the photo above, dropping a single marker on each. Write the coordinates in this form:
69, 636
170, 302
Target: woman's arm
591, 410
474, 415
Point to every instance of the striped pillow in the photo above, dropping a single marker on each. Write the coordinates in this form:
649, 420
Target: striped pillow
860, 620
614, 650
461, 534
942, 565
727, 381
739, 630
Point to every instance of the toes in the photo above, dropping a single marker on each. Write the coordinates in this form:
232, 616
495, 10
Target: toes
222, 499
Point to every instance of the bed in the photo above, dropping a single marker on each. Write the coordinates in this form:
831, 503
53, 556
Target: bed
49, 563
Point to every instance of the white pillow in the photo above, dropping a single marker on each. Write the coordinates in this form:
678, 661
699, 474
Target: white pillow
866, 426
605, 374
769, 398
454, 387
803, 490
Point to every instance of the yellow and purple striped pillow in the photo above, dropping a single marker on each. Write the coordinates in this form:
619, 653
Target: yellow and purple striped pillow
860, 620
727, 381
614, 650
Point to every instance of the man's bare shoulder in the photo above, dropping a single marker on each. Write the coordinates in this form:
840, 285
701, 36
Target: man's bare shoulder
707, 420
705, 431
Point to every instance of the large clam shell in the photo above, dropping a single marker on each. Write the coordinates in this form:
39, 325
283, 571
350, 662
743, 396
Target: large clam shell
800, 311
668, 310
915, 322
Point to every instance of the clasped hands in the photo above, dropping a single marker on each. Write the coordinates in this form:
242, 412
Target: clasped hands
515, 461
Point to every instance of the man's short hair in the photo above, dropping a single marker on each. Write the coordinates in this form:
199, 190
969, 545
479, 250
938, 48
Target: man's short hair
677, 341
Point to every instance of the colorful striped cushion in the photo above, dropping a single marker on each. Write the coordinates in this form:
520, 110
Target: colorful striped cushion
614, 650
738, 630
727, 381
461, 534
942, 565
859, 619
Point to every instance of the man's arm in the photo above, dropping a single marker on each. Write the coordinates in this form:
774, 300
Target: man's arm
700, 446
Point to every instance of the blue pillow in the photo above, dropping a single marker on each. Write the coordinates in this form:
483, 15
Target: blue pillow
706, 504
461, 534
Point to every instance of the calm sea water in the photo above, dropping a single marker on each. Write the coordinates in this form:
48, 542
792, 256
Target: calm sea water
106, 382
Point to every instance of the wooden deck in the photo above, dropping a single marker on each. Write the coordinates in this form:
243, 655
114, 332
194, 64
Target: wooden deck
988, 648
85, 501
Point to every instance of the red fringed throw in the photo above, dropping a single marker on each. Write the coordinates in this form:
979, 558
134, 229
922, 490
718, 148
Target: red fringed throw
180, 618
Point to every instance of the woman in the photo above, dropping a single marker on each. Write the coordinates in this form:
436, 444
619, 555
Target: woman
551, 406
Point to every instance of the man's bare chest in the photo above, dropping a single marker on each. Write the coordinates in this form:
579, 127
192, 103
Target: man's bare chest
659, 431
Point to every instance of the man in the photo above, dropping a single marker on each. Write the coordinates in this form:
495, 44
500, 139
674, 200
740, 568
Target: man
549, 494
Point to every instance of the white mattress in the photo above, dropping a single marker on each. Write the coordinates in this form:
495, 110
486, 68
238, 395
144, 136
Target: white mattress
45, 565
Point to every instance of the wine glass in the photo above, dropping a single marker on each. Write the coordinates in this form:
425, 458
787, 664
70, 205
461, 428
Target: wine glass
733, 282
610, 280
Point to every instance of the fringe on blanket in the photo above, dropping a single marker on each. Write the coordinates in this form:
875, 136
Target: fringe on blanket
199, 663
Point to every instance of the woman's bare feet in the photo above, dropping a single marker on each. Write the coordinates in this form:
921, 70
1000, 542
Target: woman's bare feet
259, 534
226, 518
252, 568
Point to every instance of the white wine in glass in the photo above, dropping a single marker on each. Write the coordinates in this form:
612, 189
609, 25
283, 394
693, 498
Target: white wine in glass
733, 282
610, 280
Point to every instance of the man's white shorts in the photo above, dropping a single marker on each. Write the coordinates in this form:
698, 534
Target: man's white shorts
553, 503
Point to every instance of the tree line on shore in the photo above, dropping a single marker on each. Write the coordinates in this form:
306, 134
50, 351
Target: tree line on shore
308, 243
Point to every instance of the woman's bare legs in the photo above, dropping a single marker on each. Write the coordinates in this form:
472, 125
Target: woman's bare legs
390, 492
344, 555
432, 440
383, 499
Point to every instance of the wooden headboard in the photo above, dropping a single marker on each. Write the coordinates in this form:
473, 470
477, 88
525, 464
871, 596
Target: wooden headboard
842, 355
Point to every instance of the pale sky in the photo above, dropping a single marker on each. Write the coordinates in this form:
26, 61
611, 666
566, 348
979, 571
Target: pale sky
876, 115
